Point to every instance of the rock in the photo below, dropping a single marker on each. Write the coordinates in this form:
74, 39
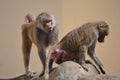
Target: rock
71, 71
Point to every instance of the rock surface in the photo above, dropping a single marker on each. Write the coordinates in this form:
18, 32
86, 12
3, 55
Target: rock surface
71, 71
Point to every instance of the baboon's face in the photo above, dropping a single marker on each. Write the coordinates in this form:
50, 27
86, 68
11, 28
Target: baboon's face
46, 22
103, 31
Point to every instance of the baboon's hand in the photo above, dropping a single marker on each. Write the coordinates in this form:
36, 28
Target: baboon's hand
30, 74
102, 69
85, 67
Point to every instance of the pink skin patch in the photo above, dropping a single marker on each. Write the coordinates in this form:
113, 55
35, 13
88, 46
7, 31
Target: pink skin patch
57, 50
26, 20
58, 55
48, 25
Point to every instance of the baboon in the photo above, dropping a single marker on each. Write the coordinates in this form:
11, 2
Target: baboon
43, 32
76, 42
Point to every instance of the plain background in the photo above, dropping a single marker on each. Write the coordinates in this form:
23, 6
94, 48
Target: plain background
69, 15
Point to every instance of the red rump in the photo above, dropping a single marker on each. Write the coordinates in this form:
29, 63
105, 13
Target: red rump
26, 20
58, 55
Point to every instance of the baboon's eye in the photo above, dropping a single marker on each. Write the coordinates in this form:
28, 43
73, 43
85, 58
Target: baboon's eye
47, 21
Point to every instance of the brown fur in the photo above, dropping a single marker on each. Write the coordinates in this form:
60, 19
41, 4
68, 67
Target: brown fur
82, 36
77, 41
35, 32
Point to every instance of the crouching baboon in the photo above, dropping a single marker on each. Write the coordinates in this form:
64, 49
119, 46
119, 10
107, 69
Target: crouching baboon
76, 42
43, 33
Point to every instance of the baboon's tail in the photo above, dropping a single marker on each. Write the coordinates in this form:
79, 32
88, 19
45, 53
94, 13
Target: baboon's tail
29, 18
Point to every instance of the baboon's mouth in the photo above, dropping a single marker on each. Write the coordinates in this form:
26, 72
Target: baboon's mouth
50, 30
100, 40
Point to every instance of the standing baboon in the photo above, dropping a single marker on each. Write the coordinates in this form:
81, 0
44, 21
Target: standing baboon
43, 33
76, 42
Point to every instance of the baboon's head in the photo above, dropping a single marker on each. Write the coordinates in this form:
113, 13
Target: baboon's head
46, 22
103, 30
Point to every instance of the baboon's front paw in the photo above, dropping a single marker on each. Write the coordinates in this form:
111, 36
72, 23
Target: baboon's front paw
30, 74
85, 67
102, 69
